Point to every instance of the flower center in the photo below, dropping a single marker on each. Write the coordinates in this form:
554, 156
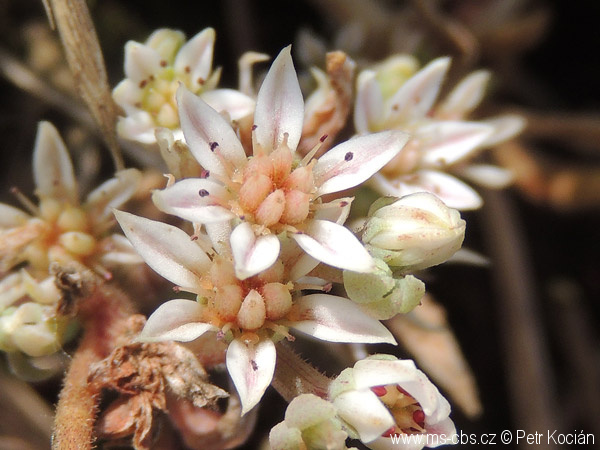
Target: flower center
245, 307
407, 412
273, 193
65, 235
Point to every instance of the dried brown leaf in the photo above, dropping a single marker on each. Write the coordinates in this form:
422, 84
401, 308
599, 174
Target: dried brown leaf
425, 333
331, 114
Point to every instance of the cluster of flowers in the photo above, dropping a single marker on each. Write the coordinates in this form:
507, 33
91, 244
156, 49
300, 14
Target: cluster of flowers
264, 221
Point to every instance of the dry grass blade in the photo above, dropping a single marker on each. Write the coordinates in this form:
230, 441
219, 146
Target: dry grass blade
77, 33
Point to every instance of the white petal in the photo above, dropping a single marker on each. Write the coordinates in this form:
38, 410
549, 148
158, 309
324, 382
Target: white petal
354, 161
210, 138
175, 320
126, 94
138, 126
416, 97
335, 245
486, 175
453, 192
252, 254
166, 249
466, 95
52, 167
365, 412
141, 61
194, 199
197, 55
335, 211
234, 103
112, 194
505, 127
368, 108
11, 217
446, 142
251, 368
279, 105
337, 319
121, 251
303, 266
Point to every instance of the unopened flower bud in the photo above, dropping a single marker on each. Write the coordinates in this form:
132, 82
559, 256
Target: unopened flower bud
297, 206
278, 300
78, 242
270, 210
413, 232
254, 190
228, 301
301, 179
310, 422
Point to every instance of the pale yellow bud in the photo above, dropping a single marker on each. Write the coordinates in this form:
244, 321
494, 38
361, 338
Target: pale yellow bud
297, 205
228, 301
270, 210
153, 101
78, 243
72, 219
254, 190
50, 208
36, 340
278, 300
300, 179
252, 313
167, 116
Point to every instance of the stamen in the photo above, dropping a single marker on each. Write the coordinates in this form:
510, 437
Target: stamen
311, 154
103, 272
27, 204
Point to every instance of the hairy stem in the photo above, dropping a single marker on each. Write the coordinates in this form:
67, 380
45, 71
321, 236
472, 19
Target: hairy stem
103, 311
294, 376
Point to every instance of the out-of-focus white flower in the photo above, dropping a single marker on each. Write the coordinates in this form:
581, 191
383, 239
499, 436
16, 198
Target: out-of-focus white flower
413, 232
59, 229
395, 95
382, 397
250, 313
274, 192
310, 422
154, 70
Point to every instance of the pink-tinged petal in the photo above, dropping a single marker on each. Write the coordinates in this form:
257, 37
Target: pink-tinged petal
252, 254
141, 61
52, 167
337, 319
175, 320
127, 94
112, 194
465, 96
279, 105
209, 136
251, 368
166, 249
368, 108
335, 245
352, 162
194, 199
365, 412
234, 103
335, 211
196, 55
416, 97
137, 127
11, 217
453, 192
447, 142
505, 127
486, 175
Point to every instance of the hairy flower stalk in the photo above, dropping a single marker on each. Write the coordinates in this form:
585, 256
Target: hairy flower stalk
397, 95
60, 229
274, 192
